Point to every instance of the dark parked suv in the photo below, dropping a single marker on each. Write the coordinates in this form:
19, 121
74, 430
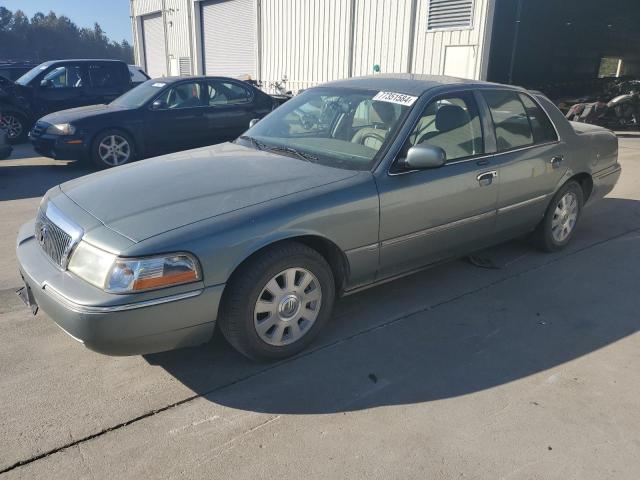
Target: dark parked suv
58, 85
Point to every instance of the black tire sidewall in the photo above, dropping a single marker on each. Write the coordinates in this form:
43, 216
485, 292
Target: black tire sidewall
547, 241
94, 157
252, 281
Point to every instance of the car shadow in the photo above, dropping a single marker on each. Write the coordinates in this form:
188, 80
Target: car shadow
453, 330
22, 180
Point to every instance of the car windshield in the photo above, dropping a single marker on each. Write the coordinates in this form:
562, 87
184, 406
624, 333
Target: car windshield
31, 74
138, 96
339, 127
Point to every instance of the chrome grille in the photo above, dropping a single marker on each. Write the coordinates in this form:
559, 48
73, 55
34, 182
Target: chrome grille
56, 235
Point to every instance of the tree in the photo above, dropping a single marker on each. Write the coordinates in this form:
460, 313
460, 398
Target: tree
52, 37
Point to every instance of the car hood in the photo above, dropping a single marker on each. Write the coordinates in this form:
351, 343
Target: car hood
154, 196
75, 114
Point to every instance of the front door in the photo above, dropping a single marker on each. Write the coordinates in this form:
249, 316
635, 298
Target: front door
431, 215
531, 160
176, 119
64, 86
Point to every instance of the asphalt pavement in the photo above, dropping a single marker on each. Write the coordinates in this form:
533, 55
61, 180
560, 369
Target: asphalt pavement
526, 370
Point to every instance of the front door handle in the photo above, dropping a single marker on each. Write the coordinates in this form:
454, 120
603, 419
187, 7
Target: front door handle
486, 179
556, 161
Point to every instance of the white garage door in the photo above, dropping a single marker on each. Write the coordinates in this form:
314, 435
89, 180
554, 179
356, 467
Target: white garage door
229, 37
155, 54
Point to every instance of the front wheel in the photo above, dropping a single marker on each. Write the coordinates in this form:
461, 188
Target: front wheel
558, 225
112, 148
276, 303
15, 126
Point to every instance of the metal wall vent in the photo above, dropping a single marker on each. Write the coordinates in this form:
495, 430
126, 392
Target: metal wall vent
185, 66
450, 14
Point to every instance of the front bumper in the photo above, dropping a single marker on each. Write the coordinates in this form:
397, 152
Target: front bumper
60, 147
113, 324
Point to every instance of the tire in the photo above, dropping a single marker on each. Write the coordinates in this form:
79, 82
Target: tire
124, 150
16, 126
254, 320
558, 226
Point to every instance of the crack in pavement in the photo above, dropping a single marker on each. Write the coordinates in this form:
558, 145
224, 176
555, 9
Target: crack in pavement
313, 351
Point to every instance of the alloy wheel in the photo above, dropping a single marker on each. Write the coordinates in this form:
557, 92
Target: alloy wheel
11, 125
287, 307
565, 217
114, 150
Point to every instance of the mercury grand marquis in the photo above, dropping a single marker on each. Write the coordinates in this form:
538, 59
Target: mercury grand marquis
350, 184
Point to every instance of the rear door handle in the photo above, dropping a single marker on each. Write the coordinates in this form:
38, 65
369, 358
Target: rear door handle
486, 179
556, 161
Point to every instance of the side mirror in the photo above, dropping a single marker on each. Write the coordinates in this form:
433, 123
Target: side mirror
158, 105
424, 156
253, 122
46, 83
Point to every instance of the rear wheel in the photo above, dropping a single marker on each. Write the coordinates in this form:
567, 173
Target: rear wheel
558, 226
112, 148
276, 304
15, 125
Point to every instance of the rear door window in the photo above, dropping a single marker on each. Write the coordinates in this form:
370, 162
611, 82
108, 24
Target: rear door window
227, 93
543, 130
105, 75
512, 126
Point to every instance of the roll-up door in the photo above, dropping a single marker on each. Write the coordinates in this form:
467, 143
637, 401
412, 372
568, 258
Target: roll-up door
155, 54
229, 37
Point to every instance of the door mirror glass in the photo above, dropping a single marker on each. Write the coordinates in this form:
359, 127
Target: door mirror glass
253, 122
158, 105
423, 156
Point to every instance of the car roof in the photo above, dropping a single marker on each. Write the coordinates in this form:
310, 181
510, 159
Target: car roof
195, 77
81, 60
407, 83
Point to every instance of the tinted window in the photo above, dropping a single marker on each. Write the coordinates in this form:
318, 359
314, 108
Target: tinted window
70, 76
512, 125
185, 95
453, 124
227, 93
105, 75
542, 127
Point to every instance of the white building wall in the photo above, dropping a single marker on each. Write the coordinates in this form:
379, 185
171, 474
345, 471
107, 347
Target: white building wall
430, 47
306, 41
315, 41
178, 21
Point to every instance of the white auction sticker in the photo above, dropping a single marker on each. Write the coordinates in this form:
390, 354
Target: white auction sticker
399, 98
158, 85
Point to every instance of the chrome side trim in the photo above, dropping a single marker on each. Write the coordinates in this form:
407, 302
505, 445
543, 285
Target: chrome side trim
439, 228
515, 206
605, 173
373, 246
87, 309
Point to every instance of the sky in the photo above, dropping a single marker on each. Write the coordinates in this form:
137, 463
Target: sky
112, 15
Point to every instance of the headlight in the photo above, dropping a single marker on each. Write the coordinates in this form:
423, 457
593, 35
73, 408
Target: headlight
61, 129
128, 275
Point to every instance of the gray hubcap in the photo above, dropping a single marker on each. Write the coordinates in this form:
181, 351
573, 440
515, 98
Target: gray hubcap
12, 125
565, 217
287, 307
114, 150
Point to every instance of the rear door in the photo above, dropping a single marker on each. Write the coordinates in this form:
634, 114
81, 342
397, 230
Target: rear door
107, 81
530, 159
63, 86
431, 215
230, 108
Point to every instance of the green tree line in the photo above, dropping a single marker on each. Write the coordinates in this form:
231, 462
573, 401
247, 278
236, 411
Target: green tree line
50, 37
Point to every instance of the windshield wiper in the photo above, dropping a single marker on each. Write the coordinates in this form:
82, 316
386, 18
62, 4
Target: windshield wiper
303, 155
257, 144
